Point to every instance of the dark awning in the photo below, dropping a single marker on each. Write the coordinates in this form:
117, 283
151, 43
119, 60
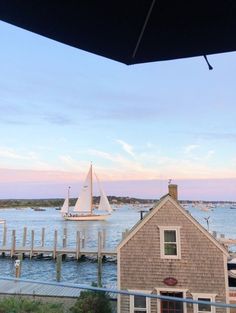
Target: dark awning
131, 31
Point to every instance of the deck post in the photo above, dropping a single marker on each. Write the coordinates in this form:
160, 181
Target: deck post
17, 268
55, 244
4, 239
99, 259
103, 238
83, 239
13, 242
43, 237
24, 236
32, 244
64, 241
99, 244
58, 267
77, 245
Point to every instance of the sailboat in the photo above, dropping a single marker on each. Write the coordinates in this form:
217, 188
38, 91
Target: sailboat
84, 208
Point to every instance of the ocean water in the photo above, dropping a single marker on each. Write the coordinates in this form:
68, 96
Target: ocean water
221, 219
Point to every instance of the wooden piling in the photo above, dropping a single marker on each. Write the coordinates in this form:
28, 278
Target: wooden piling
58, 267
77, 245
99, 259
17, 268
24, 236
99, 244
55, 245
103, 238
13, 242
4, 239
32, 244
64, 241
83, 240
43, 237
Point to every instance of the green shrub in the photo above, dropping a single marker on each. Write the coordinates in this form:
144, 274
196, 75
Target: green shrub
20, 305
92, 302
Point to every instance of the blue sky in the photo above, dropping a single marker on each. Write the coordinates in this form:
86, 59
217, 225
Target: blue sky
62, 108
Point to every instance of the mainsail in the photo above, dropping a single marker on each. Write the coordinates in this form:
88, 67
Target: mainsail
84, 202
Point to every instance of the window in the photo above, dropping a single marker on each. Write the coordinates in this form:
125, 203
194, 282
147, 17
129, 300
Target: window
139, 304
168, 306
171, 306
170, 242
204, 307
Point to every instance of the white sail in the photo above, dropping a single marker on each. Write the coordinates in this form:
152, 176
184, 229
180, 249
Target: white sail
104, 204
65, 207
84, 202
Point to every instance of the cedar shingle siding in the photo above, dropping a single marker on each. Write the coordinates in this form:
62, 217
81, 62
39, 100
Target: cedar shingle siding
201, 269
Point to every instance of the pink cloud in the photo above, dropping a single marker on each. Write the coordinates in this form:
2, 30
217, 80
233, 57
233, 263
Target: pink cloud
53, 184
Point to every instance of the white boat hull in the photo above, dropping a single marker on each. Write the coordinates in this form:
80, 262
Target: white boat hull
88, 217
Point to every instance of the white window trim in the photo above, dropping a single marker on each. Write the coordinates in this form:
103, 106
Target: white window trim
162, 248
210, 296
160, 290
131, 301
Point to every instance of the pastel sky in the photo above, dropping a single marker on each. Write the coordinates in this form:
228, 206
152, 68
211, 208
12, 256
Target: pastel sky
140, 125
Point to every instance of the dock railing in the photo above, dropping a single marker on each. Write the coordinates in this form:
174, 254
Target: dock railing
119, 293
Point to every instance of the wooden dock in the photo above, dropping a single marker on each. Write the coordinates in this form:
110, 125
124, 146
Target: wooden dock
28, 248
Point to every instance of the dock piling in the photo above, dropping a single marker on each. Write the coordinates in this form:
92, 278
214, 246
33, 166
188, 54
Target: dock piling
43, 237
13, 242
58, 267
77, 245
55, 245
24, 236
103, 238
4, 239
32, 244
83, 240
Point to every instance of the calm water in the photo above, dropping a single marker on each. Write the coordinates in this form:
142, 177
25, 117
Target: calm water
222, 220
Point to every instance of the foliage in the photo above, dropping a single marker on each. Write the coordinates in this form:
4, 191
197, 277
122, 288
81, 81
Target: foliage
20, 305
23, 203
92, 302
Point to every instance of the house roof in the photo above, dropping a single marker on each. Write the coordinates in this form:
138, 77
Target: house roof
131, 31
155, 209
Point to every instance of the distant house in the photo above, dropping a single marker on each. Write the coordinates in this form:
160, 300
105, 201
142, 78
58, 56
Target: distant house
169, 253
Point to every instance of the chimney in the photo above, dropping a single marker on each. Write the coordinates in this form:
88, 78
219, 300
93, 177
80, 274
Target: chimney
173, 191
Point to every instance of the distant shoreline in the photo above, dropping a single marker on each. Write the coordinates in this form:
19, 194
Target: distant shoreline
57, 202
20, 203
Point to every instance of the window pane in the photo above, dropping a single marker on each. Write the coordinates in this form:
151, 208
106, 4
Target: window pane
204, 307
165, 304
139, 302
170, 249
169, 236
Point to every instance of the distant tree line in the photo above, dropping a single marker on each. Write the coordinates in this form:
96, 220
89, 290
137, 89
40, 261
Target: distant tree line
57, 203
16, 203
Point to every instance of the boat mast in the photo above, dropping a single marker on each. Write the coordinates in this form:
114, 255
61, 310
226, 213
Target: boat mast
91, 182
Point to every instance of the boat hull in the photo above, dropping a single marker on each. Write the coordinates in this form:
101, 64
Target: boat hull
89, 217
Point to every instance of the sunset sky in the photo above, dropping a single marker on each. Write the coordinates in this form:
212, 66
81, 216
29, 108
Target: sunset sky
140, 125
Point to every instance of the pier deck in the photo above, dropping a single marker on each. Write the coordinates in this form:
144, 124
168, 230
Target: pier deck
30, 248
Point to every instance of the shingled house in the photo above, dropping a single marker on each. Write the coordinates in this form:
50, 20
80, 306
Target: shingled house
169, 253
